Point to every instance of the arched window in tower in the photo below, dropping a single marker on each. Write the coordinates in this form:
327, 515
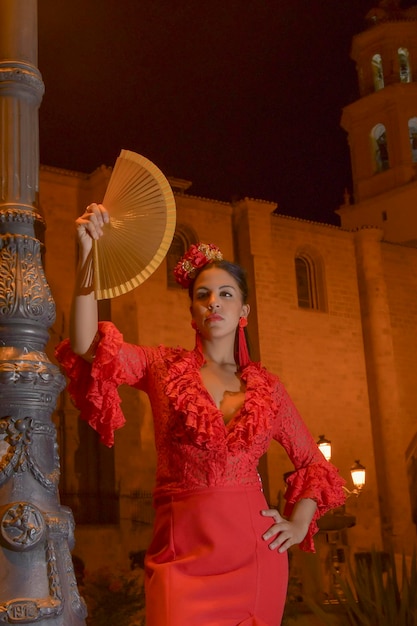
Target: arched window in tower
380, 148
412, 133
183, 238
377, 72
309, 276
404, 64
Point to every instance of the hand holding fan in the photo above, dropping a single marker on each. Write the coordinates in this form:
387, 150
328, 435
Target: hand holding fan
142, 213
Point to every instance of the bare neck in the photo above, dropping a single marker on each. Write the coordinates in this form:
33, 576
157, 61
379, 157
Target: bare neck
219, 352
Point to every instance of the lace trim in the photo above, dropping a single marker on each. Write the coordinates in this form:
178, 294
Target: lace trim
320, 482
92, 386
201, 422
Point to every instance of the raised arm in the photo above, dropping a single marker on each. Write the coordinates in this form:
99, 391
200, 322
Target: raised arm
84, 315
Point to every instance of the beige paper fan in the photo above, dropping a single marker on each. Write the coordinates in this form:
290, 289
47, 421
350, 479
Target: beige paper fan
142, 213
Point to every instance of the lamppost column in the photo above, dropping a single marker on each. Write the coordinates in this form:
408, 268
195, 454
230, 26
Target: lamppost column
37, 582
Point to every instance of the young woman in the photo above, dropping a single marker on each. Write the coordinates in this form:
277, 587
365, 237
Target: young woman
218, 555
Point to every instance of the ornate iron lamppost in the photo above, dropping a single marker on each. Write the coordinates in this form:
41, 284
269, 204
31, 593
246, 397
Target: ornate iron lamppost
37, 582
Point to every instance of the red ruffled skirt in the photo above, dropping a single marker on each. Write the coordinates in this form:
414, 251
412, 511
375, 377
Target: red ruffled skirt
208, 565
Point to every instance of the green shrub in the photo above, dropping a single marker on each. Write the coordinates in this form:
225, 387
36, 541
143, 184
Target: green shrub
374, 594
114, 597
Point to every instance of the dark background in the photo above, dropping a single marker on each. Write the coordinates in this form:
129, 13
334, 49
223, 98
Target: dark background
241, 97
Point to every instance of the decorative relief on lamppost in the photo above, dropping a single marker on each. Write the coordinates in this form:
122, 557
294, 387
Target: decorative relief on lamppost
20, 456
22, 526
24, 291
61, 536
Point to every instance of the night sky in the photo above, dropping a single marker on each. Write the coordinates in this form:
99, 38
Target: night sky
241, 97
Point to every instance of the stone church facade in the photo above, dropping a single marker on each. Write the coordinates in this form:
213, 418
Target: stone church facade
333, 313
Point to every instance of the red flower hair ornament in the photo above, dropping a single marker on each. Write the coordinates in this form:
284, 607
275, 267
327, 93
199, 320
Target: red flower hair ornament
196, 257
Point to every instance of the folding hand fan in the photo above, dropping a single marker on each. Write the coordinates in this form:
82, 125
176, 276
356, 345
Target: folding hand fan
142, 213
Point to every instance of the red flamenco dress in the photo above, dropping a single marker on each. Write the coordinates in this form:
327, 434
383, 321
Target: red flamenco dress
207, 564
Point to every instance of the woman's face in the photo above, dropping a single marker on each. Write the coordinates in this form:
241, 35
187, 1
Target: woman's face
217, 303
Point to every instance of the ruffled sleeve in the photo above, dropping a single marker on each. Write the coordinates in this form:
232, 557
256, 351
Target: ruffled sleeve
93, 386
320, 482
314, 477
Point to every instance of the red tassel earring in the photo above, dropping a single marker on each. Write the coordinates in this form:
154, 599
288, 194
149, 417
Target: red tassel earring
198, 342
243, 351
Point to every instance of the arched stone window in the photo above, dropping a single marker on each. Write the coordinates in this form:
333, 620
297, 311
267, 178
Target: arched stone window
412, 133
377, 72
404, 64
309, 274
380, 148
183, 238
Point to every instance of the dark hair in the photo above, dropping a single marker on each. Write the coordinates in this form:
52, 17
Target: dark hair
235, 270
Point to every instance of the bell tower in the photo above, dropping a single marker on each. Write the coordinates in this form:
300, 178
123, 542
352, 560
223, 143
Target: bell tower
382, 125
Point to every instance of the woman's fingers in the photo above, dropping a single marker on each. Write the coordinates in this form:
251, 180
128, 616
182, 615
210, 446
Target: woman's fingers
98, 212
276, 530
92, 221
274, 514
284, 533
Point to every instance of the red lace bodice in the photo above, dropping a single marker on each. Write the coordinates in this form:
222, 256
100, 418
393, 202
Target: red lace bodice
195, 448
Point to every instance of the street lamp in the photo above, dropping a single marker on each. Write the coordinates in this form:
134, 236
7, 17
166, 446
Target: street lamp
325, 447
357, 471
